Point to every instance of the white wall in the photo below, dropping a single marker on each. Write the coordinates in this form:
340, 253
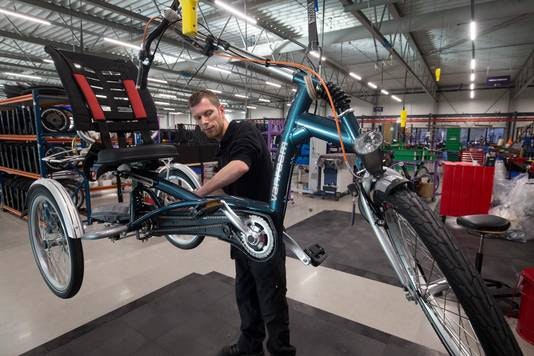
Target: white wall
485, 101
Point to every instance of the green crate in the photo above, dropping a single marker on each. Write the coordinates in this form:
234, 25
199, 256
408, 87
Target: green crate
453, 139
406, 155
453, 156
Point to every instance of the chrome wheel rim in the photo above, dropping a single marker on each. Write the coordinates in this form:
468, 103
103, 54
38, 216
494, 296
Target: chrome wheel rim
50, 243
434, 294
168, 199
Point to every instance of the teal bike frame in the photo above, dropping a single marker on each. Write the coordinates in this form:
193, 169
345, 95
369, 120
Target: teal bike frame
299, 127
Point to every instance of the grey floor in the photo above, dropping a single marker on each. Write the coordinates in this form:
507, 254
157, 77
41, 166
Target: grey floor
117, 274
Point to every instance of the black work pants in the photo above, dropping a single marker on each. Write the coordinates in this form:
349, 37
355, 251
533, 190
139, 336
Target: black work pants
261, 299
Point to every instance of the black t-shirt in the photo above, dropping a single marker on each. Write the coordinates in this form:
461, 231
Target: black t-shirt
242, 141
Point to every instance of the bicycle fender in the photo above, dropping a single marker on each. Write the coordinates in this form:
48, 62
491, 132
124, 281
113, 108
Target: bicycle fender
71, 218
186, 170
387, 183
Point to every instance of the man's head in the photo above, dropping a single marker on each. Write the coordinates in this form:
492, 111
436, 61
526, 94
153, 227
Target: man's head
208, 113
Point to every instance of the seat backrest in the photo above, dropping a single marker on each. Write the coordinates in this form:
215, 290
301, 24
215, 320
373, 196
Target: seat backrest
104, 97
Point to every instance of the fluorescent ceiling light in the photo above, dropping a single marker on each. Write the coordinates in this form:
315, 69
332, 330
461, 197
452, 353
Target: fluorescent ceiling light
372, 85
251, 107
396, 98
472, 77
241, 96
288, 104
473, 63
215, 91
23, 75
472, 94
355, 76
317, 55
472, 86
236, 12
264, 100
164, 103
169, 109
273, 84
101, 96
228, 110
25, 17
48, 61
293, 90
385, 92
157, 80
121, 43
165, 96
176, 113
473, 30
219, 69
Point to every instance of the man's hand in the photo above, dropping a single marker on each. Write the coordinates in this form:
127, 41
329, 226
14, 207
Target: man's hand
226, 176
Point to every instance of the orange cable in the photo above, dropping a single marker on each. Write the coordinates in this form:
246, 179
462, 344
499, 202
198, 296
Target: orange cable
146, 27
309, 70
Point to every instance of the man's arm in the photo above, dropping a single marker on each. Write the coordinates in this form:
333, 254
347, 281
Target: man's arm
227, 175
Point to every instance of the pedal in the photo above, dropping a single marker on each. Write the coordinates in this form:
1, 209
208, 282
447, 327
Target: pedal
317, 254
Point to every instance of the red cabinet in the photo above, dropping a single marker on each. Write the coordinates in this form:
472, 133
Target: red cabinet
466, 190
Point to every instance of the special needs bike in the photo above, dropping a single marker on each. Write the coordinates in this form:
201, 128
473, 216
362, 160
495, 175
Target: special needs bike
105, 98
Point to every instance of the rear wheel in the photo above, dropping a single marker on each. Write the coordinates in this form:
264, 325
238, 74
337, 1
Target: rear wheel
58, 257
451, 294
176, 176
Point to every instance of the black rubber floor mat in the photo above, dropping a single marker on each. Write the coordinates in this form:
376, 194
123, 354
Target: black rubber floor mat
197, 315
351, 249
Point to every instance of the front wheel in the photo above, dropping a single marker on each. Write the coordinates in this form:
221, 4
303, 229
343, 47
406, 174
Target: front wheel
59, 257
451, 294
176, 176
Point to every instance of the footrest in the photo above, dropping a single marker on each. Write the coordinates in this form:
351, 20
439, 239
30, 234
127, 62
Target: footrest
316, 253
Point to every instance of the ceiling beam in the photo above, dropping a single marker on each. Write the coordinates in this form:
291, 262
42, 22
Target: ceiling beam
493, 10
70, 12
427, 83
420, 66
524, 77
365, 4
268, 25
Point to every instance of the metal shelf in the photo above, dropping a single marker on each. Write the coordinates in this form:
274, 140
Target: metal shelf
20, 173
28, 98
53, 139
18, 137
12, 210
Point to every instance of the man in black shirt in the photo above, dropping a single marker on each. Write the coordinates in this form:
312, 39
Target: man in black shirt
246, 171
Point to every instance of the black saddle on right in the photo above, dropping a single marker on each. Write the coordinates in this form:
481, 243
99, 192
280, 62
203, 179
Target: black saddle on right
484, 223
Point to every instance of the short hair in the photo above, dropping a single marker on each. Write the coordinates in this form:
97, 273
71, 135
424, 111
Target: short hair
196, 97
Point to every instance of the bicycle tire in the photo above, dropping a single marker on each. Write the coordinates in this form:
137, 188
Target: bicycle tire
41, 195
184, 242
487, 321
75, 191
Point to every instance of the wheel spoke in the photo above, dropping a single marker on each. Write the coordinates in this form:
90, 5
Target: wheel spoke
433, 288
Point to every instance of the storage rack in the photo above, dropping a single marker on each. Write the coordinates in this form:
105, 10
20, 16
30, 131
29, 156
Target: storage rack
37, 101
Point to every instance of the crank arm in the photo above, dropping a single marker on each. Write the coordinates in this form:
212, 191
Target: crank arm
296, 249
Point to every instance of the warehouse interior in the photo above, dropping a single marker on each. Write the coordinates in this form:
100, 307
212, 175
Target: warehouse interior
374, 98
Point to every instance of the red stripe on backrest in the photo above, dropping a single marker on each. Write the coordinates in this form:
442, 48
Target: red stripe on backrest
90, 97
135, 99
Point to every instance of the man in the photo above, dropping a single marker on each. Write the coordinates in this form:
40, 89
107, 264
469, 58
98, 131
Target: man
245, 171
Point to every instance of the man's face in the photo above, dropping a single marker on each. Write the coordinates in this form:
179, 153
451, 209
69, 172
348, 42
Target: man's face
210, 118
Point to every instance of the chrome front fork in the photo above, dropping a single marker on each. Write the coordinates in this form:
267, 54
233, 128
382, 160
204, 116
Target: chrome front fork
385, 242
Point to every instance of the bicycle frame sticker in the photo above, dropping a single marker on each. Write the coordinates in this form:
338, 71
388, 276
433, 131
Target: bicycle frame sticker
278, 171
